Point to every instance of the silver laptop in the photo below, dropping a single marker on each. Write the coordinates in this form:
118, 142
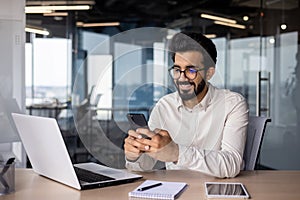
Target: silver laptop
47, 152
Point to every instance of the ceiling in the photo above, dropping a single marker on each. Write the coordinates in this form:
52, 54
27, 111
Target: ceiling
184, 14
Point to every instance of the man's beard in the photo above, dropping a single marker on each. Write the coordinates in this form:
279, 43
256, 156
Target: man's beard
185, 95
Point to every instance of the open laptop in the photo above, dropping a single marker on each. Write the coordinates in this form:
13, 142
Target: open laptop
47, 152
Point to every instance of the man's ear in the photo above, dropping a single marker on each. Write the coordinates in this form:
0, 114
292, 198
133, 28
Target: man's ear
210, 72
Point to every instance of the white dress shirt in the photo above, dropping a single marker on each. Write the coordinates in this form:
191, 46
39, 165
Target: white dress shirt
211, 136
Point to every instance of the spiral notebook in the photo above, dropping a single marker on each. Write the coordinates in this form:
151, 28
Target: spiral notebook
165, 190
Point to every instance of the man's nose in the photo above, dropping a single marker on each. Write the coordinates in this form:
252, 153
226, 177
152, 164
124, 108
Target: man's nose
182, 76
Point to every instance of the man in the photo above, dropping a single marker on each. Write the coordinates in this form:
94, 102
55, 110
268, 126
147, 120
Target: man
199, 127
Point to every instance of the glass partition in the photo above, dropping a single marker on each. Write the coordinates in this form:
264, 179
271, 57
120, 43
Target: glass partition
260, 61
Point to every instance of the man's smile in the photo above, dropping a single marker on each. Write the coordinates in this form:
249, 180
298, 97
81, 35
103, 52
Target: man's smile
185, 85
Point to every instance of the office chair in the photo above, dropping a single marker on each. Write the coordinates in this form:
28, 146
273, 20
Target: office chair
256, 129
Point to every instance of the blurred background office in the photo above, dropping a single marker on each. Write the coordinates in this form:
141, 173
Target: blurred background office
87, 63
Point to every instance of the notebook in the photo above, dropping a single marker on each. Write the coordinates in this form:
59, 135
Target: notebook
165, 190
46, 150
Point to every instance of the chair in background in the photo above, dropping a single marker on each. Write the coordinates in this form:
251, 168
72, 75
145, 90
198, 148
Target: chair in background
256, 130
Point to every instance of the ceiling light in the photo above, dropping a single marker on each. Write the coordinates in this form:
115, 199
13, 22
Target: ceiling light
245, 18
283, 26
272, 40
38, 11
43, 9
60, 2
37, 31
231, 25
56, 14
210, 35
218, 18
81, 24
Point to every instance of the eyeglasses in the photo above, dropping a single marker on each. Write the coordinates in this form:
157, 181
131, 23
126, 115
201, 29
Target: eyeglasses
190, 72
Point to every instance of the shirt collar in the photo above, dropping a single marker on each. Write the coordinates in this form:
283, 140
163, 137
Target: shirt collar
206, 101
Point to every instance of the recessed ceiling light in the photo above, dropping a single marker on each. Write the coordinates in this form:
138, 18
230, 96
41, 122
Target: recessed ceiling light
245, 18
283, 26
272, 40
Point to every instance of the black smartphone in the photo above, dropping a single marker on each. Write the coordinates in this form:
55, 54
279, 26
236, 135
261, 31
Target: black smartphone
137, 120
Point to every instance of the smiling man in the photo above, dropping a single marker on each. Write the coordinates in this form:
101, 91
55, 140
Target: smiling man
199, 127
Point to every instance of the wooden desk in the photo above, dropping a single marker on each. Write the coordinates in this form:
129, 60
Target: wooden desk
273, 185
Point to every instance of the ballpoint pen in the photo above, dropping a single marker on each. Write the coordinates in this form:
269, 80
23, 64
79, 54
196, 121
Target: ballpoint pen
149, 187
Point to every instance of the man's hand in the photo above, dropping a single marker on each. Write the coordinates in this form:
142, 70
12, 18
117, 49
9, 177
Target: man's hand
133, 147
161, 145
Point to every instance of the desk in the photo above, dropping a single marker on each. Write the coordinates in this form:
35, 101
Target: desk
53, 107
263, 185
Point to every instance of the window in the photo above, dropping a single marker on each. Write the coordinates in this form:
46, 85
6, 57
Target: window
48, 69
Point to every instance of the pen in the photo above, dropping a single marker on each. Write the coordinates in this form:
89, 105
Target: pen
149, 187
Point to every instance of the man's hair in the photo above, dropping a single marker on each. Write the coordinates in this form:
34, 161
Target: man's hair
191, 41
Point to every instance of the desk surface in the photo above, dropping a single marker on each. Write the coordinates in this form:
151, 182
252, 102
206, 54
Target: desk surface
260, 185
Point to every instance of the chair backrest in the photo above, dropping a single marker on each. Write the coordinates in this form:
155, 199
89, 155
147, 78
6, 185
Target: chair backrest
256, 129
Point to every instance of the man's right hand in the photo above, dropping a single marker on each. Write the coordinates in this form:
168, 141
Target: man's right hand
132, 147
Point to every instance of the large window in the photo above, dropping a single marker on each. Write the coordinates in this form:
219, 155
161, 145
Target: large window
48, 69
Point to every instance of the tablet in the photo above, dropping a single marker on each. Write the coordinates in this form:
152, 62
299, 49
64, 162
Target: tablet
225, 190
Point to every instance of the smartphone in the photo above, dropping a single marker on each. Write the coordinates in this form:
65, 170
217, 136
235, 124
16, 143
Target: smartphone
137, 120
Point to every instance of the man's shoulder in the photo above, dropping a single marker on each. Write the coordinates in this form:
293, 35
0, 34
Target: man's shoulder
228, 94
234, 95
229, 100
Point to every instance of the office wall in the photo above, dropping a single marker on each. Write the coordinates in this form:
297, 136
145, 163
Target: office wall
12, 37
12, 23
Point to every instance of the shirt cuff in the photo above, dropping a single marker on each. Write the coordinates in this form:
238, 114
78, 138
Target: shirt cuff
143, 163
183, 156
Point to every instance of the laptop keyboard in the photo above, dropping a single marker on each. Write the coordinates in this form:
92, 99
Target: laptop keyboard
90, 177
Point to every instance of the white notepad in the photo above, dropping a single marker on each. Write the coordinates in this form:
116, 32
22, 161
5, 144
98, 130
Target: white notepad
167, 190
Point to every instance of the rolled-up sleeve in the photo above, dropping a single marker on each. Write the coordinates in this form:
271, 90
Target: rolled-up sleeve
143, 163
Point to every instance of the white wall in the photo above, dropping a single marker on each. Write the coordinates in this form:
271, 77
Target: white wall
12, 66
12, 37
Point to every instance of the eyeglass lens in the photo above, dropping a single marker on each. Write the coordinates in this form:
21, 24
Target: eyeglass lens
189, 73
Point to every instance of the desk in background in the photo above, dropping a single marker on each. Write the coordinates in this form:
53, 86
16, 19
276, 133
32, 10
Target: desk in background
56, 108
262, 185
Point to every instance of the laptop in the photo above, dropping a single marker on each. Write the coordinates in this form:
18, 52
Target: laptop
47, 152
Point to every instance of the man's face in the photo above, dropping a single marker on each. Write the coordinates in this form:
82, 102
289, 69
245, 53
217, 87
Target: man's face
189, 89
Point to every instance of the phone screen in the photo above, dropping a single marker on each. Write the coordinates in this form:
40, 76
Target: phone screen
137, 120
225, 190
